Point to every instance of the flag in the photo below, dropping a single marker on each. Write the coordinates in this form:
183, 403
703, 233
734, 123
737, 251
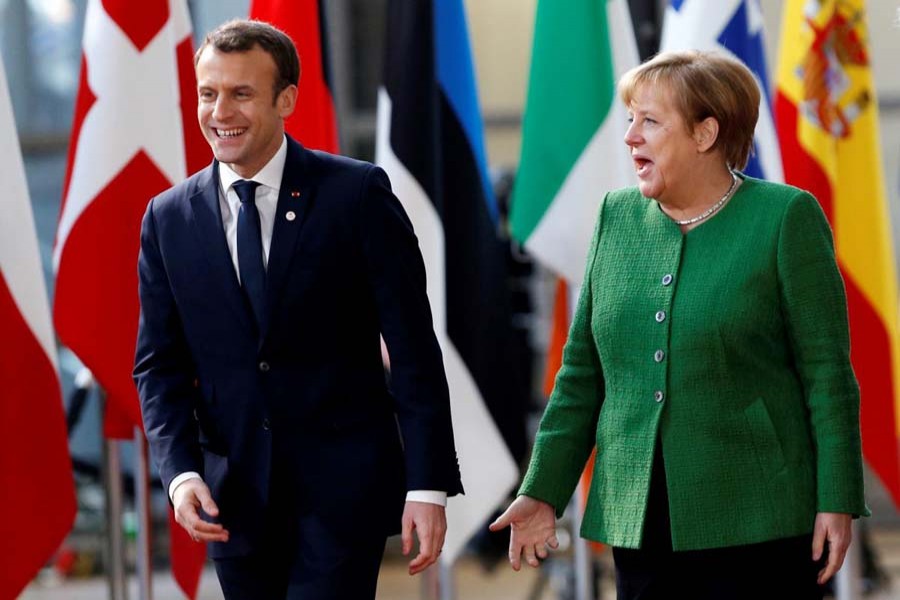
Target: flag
827, 117
736, 28
134, 135
572, 136
313, 123
38, 500
573, 148
572, 142
430, 141
560, 320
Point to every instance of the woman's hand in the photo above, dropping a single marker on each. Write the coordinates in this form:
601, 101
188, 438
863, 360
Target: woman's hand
533, 524
835, 529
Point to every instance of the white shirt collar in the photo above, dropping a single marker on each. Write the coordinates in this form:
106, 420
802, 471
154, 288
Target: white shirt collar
269, 175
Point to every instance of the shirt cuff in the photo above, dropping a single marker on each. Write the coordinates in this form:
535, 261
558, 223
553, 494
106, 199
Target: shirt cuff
429, 496
179, 479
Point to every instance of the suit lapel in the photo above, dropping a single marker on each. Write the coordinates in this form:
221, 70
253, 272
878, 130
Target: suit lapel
294, 201
207, 217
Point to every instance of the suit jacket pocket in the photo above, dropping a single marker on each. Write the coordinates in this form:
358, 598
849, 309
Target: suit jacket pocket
208, 392
215, 473
766, 444
208, 418
351, 421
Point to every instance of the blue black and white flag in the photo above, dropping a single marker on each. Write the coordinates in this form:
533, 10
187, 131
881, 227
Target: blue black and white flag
734, 27
430, 142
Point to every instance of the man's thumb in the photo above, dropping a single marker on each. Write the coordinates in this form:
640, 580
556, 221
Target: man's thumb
207, 503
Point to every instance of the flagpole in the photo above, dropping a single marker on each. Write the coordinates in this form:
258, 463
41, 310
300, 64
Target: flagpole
340, 45
145, 527
446, 581
114, 538
847, 581
582, 556
430, 584
438, 582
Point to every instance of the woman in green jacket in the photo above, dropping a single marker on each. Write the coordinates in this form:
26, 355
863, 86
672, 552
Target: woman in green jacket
708, 363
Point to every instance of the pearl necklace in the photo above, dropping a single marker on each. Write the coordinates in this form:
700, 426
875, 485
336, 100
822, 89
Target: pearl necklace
715, 207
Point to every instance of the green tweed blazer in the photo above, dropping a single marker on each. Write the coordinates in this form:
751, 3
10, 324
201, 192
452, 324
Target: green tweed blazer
729, 344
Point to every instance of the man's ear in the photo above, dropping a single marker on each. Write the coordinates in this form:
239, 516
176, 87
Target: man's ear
706, 132
286, 101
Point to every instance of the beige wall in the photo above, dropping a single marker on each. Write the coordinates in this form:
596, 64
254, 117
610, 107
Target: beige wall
501, 32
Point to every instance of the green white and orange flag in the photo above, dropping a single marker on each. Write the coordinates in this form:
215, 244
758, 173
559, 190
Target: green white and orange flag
827, 119
572, 143
572, 138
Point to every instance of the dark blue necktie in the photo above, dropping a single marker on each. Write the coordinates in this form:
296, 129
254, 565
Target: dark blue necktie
250, 250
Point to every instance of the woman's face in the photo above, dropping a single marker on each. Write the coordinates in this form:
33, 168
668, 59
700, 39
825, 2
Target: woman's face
662, 149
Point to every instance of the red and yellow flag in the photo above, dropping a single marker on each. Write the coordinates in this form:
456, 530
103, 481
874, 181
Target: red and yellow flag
827, 119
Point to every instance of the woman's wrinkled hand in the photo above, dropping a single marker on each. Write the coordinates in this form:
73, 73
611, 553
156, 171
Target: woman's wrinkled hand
533, 530
835, 529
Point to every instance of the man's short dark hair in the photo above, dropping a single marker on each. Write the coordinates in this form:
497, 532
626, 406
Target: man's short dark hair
242, 35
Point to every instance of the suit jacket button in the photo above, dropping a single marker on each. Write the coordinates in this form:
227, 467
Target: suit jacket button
264, 367
266, 425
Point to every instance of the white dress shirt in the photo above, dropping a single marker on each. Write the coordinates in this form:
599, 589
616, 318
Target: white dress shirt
269, 178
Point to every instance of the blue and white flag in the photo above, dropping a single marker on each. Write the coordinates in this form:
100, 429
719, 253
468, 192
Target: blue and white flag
734, 27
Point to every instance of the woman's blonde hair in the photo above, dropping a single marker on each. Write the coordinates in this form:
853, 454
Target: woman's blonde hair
704, 84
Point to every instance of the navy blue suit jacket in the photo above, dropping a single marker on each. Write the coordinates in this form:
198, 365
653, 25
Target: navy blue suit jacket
215, 392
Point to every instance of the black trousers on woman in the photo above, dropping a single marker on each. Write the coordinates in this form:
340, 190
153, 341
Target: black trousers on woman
778, 569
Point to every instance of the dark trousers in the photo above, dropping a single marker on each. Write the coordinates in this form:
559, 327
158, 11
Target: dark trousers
300, 557
316, 568
774, 570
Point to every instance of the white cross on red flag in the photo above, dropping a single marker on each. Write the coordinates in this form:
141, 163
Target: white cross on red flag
134, 135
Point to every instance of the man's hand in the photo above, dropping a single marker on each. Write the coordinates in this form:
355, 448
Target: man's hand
533, 525
836, 530
429, 521
190, 495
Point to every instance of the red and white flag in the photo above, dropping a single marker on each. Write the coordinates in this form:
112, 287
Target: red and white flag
313, 122
38, 500
134, 135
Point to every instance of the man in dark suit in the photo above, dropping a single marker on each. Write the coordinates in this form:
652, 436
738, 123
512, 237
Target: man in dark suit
265, 281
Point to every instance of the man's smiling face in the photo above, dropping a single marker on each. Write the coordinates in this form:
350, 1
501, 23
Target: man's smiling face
240, 116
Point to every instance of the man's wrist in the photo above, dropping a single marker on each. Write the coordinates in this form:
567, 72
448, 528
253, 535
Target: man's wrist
178, 480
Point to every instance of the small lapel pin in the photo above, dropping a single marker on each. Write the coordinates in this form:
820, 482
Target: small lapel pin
290, 215
295, 194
